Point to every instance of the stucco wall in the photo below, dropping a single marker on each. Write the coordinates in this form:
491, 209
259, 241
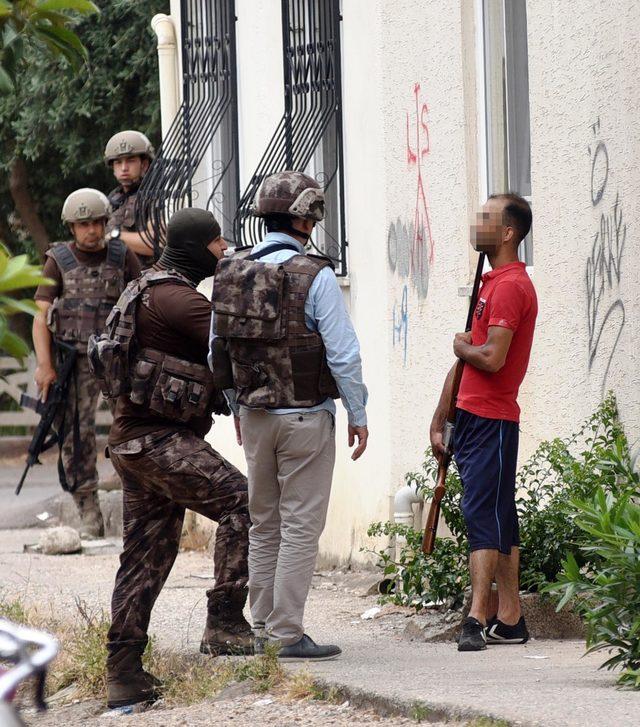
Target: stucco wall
584, 89
426, 149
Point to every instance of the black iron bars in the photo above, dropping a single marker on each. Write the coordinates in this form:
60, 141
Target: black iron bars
309, 135
208, 111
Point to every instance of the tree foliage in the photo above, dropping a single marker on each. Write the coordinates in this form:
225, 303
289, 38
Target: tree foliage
56, 125
40, 23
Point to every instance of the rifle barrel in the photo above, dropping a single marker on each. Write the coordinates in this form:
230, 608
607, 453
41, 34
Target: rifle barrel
22, 479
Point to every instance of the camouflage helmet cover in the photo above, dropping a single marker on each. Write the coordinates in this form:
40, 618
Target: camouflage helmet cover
85, 204
128, 143
290, 193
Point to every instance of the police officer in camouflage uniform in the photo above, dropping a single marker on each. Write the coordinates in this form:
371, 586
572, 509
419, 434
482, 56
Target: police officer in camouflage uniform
89, 275
280, 325
129, 154
157, 446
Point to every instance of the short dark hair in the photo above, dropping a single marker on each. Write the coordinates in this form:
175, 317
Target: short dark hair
277, 223
517, 212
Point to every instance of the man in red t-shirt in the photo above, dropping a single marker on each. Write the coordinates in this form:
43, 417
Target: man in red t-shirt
496, 353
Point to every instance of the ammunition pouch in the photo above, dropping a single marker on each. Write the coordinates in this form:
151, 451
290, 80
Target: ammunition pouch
174, 388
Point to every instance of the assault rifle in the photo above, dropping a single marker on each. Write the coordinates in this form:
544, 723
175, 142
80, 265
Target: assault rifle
43, 437
431, 526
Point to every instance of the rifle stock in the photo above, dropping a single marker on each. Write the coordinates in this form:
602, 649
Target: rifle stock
431, 526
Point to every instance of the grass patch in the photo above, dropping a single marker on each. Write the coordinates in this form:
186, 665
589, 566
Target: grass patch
187, 678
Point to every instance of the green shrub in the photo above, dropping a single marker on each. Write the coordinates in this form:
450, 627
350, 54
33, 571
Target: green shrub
596, 456
606, 590
421, 579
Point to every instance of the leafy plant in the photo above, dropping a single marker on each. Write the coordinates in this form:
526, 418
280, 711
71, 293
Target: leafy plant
44, 23
606, 591
420, 579
16, 273
597, 455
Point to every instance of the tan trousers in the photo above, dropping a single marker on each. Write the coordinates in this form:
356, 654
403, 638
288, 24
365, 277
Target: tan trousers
290, 460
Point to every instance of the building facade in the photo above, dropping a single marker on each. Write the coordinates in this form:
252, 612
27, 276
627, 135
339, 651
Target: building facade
411, 113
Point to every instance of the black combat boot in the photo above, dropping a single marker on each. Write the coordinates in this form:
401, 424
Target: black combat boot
227, 630
127, 682
91, 522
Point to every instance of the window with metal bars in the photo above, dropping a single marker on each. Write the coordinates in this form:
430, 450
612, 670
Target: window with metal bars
197, 162
309, 135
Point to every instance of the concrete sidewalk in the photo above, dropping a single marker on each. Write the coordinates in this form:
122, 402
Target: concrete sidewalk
543, 683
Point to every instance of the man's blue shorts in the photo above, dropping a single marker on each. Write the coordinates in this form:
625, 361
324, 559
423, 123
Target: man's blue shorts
486, 452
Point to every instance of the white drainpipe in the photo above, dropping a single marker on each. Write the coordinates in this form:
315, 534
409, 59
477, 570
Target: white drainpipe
403, 513
164, 28
404, 498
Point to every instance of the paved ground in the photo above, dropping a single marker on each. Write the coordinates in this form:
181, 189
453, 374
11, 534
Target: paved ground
244, 711
41, 492
544, 683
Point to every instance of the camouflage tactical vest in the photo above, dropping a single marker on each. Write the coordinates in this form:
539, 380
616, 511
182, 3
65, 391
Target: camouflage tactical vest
276, 361
166, 385
88, 293
124, 217
124, 210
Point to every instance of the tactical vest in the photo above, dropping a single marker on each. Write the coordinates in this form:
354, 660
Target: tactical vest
276, 361
88, 293
124, 210
166, 385
124, 217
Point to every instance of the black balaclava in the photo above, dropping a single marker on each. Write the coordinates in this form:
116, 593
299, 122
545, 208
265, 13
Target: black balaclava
189, 232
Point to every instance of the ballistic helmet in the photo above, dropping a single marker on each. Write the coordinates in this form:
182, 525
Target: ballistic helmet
126, 144
290, 193
85, 204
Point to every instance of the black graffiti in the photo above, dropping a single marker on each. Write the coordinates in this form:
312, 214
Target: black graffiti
599, 168
603, 272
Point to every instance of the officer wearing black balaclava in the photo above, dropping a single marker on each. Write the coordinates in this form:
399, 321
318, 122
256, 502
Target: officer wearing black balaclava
194, 244
157, 447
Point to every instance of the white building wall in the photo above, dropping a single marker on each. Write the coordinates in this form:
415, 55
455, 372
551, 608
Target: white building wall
412, 144
429, 200
584, 89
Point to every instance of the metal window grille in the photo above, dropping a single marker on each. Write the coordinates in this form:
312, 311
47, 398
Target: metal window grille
197, 162
309, 135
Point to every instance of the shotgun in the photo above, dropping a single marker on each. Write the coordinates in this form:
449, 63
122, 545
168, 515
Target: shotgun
431, 526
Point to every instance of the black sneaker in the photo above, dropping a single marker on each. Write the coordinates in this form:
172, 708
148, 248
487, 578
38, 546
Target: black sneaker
501, 633
472, 637
307, 650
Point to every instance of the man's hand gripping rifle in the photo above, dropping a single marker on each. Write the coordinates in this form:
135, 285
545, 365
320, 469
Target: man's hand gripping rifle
44, 436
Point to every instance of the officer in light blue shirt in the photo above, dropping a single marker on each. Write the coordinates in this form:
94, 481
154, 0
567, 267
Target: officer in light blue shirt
325, 312
290, 451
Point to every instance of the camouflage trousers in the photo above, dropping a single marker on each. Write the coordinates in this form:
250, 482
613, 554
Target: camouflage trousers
162, 474
79, 445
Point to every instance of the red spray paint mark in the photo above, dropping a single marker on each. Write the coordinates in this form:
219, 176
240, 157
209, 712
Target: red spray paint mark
421, 223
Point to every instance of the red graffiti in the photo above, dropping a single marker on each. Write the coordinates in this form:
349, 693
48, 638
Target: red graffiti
421, 224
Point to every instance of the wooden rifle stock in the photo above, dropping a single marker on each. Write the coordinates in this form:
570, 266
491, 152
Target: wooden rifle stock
431, 526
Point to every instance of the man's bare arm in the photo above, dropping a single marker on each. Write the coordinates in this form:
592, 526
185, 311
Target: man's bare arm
136, 243
45, 373
489, 357
440, 414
